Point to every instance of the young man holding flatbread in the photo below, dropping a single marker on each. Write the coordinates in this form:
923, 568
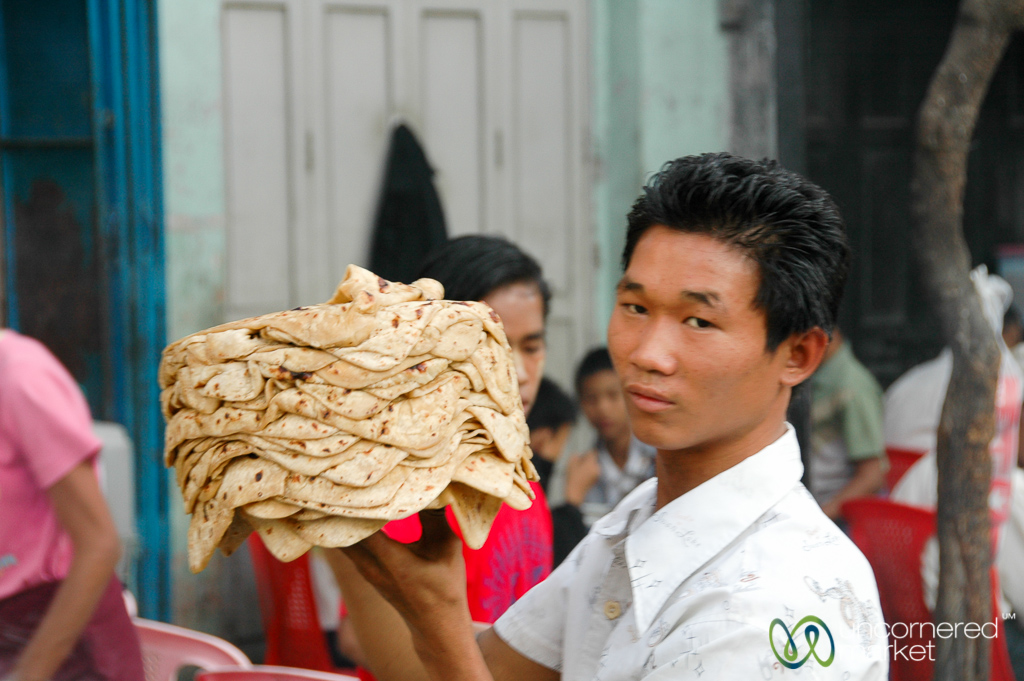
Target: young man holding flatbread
723, 564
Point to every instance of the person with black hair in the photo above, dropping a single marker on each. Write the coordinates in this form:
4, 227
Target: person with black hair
722, 565
518, 551
496, 271
550, 422
619, 461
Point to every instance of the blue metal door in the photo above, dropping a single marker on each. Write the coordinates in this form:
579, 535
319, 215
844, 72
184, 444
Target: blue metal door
83, 231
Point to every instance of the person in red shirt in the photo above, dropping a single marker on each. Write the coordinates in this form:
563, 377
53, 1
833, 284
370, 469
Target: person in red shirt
518, 551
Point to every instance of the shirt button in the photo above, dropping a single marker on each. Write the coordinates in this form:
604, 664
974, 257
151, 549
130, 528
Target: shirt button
612, 609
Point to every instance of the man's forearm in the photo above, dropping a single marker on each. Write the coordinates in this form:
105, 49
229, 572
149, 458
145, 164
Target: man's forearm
452, 654
394, 653
382, 633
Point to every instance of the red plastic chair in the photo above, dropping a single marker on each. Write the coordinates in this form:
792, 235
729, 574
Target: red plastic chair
288, 607
900, 460
269, 673
892, 537
166, 649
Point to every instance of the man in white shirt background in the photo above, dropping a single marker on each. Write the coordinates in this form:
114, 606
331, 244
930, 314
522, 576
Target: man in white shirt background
724, 564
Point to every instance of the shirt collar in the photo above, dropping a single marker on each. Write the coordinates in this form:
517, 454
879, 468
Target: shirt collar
671, 545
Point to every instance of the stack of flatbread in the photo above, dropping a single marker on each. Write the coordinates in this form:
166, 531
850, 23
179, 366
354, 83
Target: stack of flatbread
318, 425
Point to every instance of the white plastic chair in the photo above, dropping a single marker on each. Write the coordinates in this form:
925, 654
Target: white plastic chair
167, 648
269, 673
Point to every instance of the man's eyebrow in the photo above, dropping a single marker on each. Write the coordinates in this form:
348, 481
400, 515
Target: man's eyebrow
626, 284
709, 298
536, 335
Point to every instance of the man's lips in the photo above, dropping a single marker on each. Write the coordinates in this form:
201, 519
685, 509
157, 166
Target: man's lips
648, 399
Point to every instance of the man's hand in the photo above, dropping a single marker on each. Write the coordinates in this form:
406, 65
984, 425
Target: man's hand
417, 578
426, 583
581, 473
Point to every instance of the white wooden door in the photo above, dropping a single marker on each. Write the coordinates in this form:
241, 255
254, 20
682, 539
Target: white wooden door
494, 89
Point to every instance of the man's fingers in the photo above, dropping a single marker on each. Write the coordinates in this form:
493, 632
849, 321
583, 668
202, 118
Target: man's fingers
437, 533
373, 556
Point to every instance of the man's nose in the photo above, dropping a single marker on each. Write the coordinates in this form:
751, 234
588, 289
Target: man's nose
656, 349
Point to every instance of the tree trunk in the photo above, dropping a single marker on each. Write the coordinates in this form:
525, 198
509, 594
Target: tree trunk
946, 123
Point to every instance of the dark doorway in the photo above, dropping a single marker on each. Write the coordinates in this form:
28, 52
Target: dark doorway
866, 66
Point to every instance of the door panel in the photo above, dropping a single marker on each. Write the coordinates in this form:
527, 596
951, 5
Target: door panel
358, 66
259, 182
493, 89
545, 102
542, 176
451, 91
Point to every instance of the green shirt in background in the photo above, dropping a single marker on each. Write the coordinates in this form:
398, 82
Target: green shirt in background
846, 422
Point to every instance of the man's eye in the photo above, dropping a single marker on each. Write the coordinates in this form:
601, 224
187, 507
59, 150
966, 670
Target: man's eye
532, 346
697, 322
635, 309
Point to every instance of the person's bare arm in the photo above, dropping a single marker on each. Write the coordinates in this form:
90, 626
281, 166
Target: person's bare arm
348, 643
506, 664
384, 642
423, 630
868, 478
582, 472
84, 515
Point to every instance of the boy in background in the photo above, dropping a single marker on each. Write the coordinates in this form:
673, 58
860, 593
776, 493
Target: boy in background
601, 477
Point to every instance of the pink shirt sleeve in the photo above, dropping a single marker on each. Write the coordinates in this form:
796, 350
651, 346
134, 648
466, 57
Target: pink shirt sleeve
44, 413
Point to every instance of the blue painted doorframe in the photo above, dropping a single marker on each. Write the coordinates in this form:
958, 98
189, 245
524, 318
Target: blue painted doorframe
83, 227
126, 129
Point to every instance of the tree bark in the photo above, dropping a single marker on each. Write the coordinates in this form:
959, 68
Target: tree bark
946, 124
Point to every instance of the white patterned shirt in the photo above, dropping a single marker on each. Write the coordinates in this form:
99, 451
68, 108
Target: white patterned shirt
696, 587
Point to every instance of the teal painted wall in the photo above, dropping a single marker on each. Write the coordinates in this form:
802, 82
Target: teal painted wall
194, 201
193, 163
660, 89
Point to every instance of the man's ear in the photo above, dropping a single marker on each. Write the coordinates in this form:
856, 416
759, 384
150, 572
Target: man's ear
805, 352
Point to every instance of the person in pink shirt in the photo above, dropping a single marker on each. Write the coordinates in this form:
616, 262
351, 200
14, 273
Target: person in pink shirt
62, 616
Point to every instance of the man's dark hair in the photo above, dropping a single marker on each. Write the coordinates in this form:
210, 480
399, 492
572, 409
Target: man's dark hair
553, 408
786, 223
474, 266
595, 361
